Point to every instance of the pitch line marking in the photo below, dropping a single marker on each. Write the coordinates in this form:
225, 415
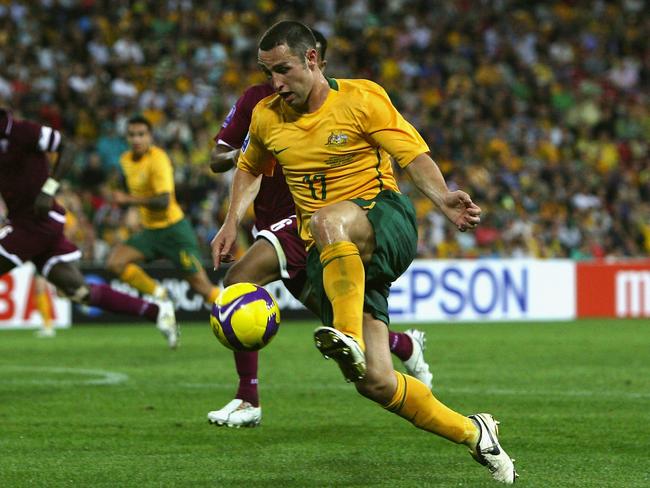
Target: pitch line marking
483, 391
102, 376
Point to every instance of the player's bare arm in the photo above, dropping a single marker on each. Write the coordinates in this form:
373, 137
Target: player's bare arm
456, 205
245, 187
156, 202
223, 158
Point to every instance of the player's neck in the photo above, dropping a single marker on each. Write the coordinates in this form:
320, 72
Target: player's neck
318, 94
138, 156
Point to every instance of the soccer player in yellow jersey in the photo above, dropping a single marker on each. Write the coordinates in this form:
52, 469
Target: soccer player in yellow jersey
334, 140
167, 233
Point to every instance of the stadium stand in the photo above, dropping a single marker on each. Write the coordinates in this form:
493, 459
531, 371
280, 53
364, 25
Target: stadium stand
539, 109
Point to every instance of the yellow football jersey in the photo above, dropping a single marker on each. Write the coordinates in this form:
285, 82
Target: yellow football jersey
339, 152
151, 175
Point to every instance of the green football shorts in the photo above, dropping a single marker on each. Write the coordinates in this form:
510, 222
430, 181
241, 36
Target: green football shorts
392, 217
176, 243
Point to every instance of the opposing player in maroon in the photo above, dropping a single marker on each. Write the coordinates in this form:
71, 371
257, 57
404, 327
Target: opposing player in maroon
34, 227
278, 253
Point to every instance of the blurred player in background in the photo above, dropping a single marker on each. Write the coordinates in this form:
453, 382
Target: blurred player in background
34, 229
167, 233
278, 253
44, 307
39, 292
334, 140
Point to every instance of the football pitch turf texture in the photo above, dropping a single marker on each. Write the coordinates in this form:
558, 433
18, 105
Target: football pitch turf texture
111, 406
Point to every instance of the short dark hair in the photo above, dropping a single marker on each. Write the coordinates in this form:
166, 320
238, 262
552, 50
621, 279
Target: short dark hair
320, 39
139, 119
297, 36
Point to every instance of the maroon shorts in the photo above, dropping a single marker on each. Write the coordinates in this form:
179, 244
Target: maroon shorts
283, 235
40, 241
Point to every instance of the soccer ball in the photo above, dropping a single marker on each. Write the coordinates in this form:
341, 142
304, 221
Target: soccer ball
245, 317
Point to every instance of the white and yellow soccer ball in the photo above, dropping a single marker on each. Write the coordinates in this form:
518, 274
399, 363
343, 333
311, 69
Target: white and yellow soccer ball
245, 317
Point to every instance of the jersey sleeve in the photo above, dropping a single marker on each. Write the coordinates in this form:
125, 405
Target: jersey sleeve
235, 126
388, 128
255, 158
35, 137
162, 176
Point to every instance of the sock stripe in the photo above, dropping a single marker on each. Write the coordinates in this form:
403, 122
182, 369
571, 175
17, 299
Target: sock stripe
338, 250
400, 402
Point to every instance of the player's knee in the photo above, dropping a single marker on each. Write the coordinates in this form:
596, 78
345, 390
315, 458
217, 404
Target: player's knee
233, 276
115, 264
326, 224
321, 220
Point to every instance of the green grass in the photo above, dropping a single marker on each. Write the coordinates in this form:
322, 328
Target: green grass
110, 406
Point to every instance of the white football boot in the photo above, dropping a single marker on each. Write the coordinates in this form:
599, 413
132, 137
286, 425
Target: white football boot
489, 452
46, 333
166, 323
416, 366
343, 349
160, 293
236, 413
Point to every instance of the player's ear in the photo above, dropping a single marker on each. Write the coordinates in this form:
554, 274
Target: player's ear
312, 58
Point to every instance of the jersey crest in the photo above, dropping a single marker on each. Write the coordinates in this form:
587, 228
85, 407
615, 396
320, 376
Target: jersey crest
337, 138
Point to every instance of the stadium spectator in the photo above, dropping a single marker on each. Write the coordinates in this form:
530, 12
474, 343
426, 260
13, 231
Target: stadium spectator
546, 93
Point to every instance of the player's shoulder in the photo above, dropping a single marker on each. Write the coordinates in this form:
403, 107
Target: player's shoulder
269, 107
357, 86
257, 92
19, 129
158, 153
126, 157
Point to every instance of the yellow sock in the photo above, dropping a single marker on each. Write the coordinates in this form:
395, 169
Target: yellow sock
415, 402
214, 293
135, 276
344, 283
44, 308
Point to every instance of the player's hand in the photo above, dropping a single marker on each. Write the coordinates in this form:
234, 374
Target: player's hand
223, 243
42, 205
461, 210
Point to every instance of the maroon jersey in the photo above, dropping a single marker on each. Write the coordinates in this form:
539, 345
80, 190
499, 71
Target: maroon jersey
24, 166
273, 202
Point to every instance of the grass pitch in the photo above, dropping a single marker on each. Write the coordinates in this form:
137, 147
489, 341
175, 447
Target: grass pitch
112, 407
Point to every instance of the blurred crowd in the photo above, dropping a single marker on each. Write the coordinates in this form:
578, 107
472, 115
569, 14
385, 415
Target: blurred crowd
538, 109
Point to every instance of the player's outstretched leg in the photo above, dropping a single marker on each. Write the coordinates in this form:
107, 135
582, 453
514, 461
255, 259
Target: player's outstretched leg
409, 348
68, 278
162, 313
412, 400
244, 410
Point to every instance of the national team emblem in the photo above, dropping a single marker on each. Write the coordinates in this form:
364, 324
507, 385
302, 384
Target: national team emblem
337, 139
229, 117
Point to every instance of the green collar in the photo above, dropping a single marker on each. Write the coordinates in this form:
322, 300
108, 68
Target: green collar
333, 83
